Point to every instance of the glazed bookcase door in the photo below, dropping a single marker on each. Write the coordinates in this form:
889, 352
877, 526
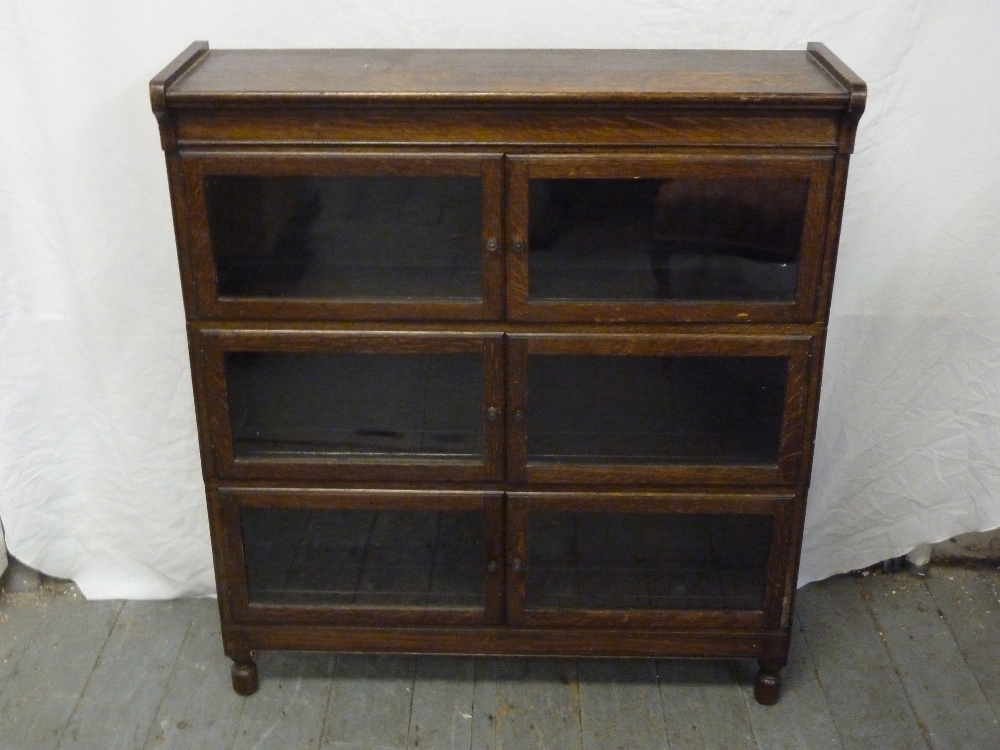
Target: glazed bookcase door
346, 405
376, 556
636, 408
684, 238
646, 560
319, 235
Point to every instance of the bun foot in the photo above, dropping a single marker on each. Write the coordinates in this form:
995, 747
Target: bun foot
767, 686
245, 677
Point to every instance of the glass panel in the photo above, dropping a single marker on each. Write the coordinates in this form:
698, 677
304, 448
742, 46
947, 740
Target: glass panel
673, 239
346, 237
355, 405
646, 561
649, 410
373, 558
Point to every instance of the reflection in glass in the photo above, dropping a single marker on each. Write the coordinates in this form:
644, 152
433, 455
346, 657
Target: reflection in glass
346, 237
617, 561
672, 239
355, 405
374, 558
655, 410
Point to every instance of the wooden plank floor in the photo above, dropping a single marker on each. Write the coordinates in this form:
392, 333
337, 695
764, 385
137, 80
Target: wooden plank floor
878, 661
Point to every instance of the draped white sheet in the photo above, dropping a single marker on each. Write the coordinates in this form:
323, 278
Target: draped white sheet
99, 476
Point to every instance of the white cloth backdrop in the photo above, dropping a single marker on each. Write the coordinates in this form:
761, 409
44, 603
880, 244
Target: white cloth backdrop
3, 552
99, 476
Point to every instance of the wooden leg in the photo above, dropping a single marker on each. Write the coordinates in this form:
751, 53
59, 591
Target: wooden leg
245, 676
767, 686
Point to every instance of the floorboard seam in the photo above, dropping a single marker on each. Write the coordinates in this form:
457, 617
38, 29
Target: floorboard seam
880, 629
335, 667
819, 679
18, 655
659, 692
472, 704
168, 683
747, 709
413, 690
958, 645
239, 720
579, 701
86, 683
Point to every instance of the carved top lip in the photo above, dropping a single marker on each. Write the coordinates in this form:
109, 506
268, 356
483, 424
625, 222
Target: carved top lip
813, 78
177, 67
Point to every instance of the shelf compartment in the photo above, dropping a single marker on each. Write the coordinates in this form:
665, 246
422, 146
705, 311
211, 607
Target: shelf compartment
366, 555
646, 559
614, 408
355, 405
640, 238
373, 236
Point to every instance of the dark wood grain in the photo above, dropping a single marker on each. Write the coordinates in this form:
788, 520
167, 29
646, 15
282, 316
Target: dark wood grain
523, 128
518, 641
272, 134
665, 75
843, 74
186, 60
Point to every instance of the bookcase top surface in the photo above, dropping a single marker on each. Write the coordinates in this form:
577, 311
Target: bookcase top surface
810, 76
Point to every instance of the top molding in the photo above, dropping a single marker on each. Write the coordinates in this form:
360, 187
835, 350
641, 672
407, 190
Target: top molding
715, 78
166, 77
847, 78
635, 98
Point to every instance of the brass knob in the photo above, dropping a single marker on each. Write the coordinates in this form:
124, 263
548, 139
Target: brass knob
492, 413
516, 564
518, 415
519, 246
492, 244
492, 567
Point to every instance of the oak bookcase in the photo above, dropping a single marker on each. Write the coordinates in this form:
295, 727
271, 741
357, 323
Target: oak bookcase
507, 351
